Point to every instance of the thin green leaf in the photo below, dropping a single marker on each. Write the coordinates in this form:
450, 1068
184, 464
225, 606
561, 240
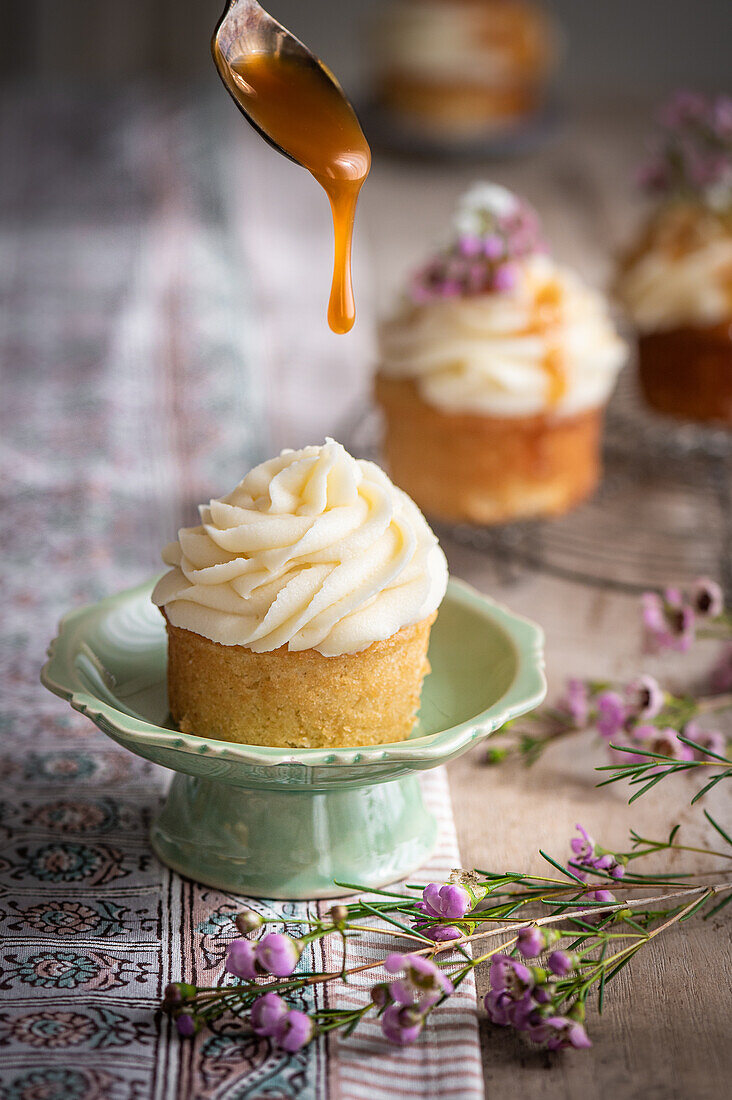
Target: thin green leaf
649, 784
720, 905
702, 749
562, 870
718, 827
708, 787
619, 967
695, 908
370, 890
397, 924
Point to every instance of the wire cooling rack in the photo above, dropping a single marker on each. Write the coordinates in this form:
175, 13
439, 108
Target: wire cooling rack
662, 515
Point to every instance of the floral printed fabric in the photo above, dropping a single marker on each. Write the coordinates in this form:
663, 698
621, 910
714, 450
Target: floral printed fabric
127, 397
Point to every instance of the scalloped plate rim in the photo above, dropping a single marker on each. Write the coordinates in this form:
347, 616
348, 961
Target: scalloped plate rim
526, 691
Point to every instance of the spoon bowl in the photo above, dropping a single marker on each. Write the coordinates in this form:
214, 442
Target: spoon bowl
246, 30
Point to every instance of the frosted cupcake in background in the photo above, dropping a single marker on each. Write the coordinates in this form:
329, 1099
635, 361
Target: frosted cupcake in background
298, 611
676, 282
495, 372
456, 70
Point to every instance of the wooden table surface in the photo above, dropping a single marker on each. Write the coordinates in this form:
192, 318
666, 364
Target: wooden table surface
665, 1028
665, 1031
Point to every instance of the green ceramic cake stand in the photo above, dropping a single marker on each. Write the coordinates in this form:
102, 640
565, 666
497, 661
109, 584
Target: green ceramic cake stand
289, 823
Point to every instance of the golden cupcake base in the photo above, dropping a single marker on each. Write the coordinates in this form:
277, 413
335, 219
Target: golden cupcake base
687, 372
457, 107
297, 700
487, 470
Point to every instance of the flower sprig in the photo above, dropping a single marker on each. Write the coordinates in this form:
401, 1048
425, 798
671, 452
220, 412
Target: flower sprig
493, 230
692, 155
648, 731
579, 931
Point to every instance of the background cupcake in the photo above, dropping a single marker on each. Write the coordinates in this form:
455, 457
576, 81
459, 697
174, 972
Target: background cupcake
299, 610
495, 371
460, 69
676, 283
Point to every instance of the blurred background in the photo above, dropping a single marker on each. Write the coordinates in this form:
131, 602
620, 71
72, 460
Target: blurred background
158, 256
627, 45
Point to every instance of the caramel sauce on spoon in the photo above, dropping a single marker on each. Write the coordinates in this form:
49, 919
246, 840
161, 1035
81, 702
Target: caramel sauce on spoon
310, 120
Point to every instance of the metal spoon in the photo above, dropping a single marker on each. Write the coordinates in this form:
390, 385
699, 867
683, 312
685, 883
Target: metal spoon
245, 29
299, 108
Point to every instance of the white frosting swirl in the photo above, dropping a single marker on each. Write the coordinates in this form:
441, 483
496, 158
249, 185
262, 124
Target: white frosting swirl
312, 550
667, 288
549, 344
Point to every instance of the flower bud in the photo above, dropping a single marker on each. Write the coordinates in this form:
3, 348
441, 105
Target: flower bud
381, 995
248, 921
176, 993
187, 1024
531, 941
577, 1012
339, 914
278, 954
622, 915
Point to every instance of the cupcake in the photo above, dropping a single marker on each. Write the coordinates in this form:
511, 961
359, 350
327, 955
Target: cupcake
676, 282
494, 373
456, 70
298, 611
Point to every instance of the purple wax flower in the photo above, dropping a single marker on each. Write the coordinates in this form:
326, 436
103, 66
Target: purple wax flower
605, 897
278, 954
449, 900
669, 622
294, 1031
682, 108
666, 742
470, 245
241, 960
712, 740
506, 1011
645, 697
187, 1025
576, 702
267, 1014
583, 845
423, 980
707, 598
402, 1025
512, 976
559, 1032
692, 157
531, 941
611, 714
607, 863
493, 247
504, 279
440, 933
561, 963
497, 1004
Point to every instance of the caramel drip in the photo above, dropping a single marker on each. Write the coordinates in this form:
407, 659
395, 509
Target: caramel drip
314, 123
553, 365
547, 305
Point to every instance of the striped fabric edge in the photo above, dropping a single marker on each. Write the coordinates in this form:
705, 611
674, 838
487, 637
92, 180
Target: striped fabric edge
445, 1061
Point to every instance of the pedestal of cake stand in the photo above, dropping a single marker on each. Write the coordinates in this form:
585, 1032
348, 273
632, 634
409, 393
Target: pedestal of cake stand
293, 843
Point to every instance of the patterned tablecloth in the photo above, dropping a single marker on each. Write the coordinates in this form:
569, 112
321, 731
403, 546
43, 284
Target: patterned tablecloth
129, 392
